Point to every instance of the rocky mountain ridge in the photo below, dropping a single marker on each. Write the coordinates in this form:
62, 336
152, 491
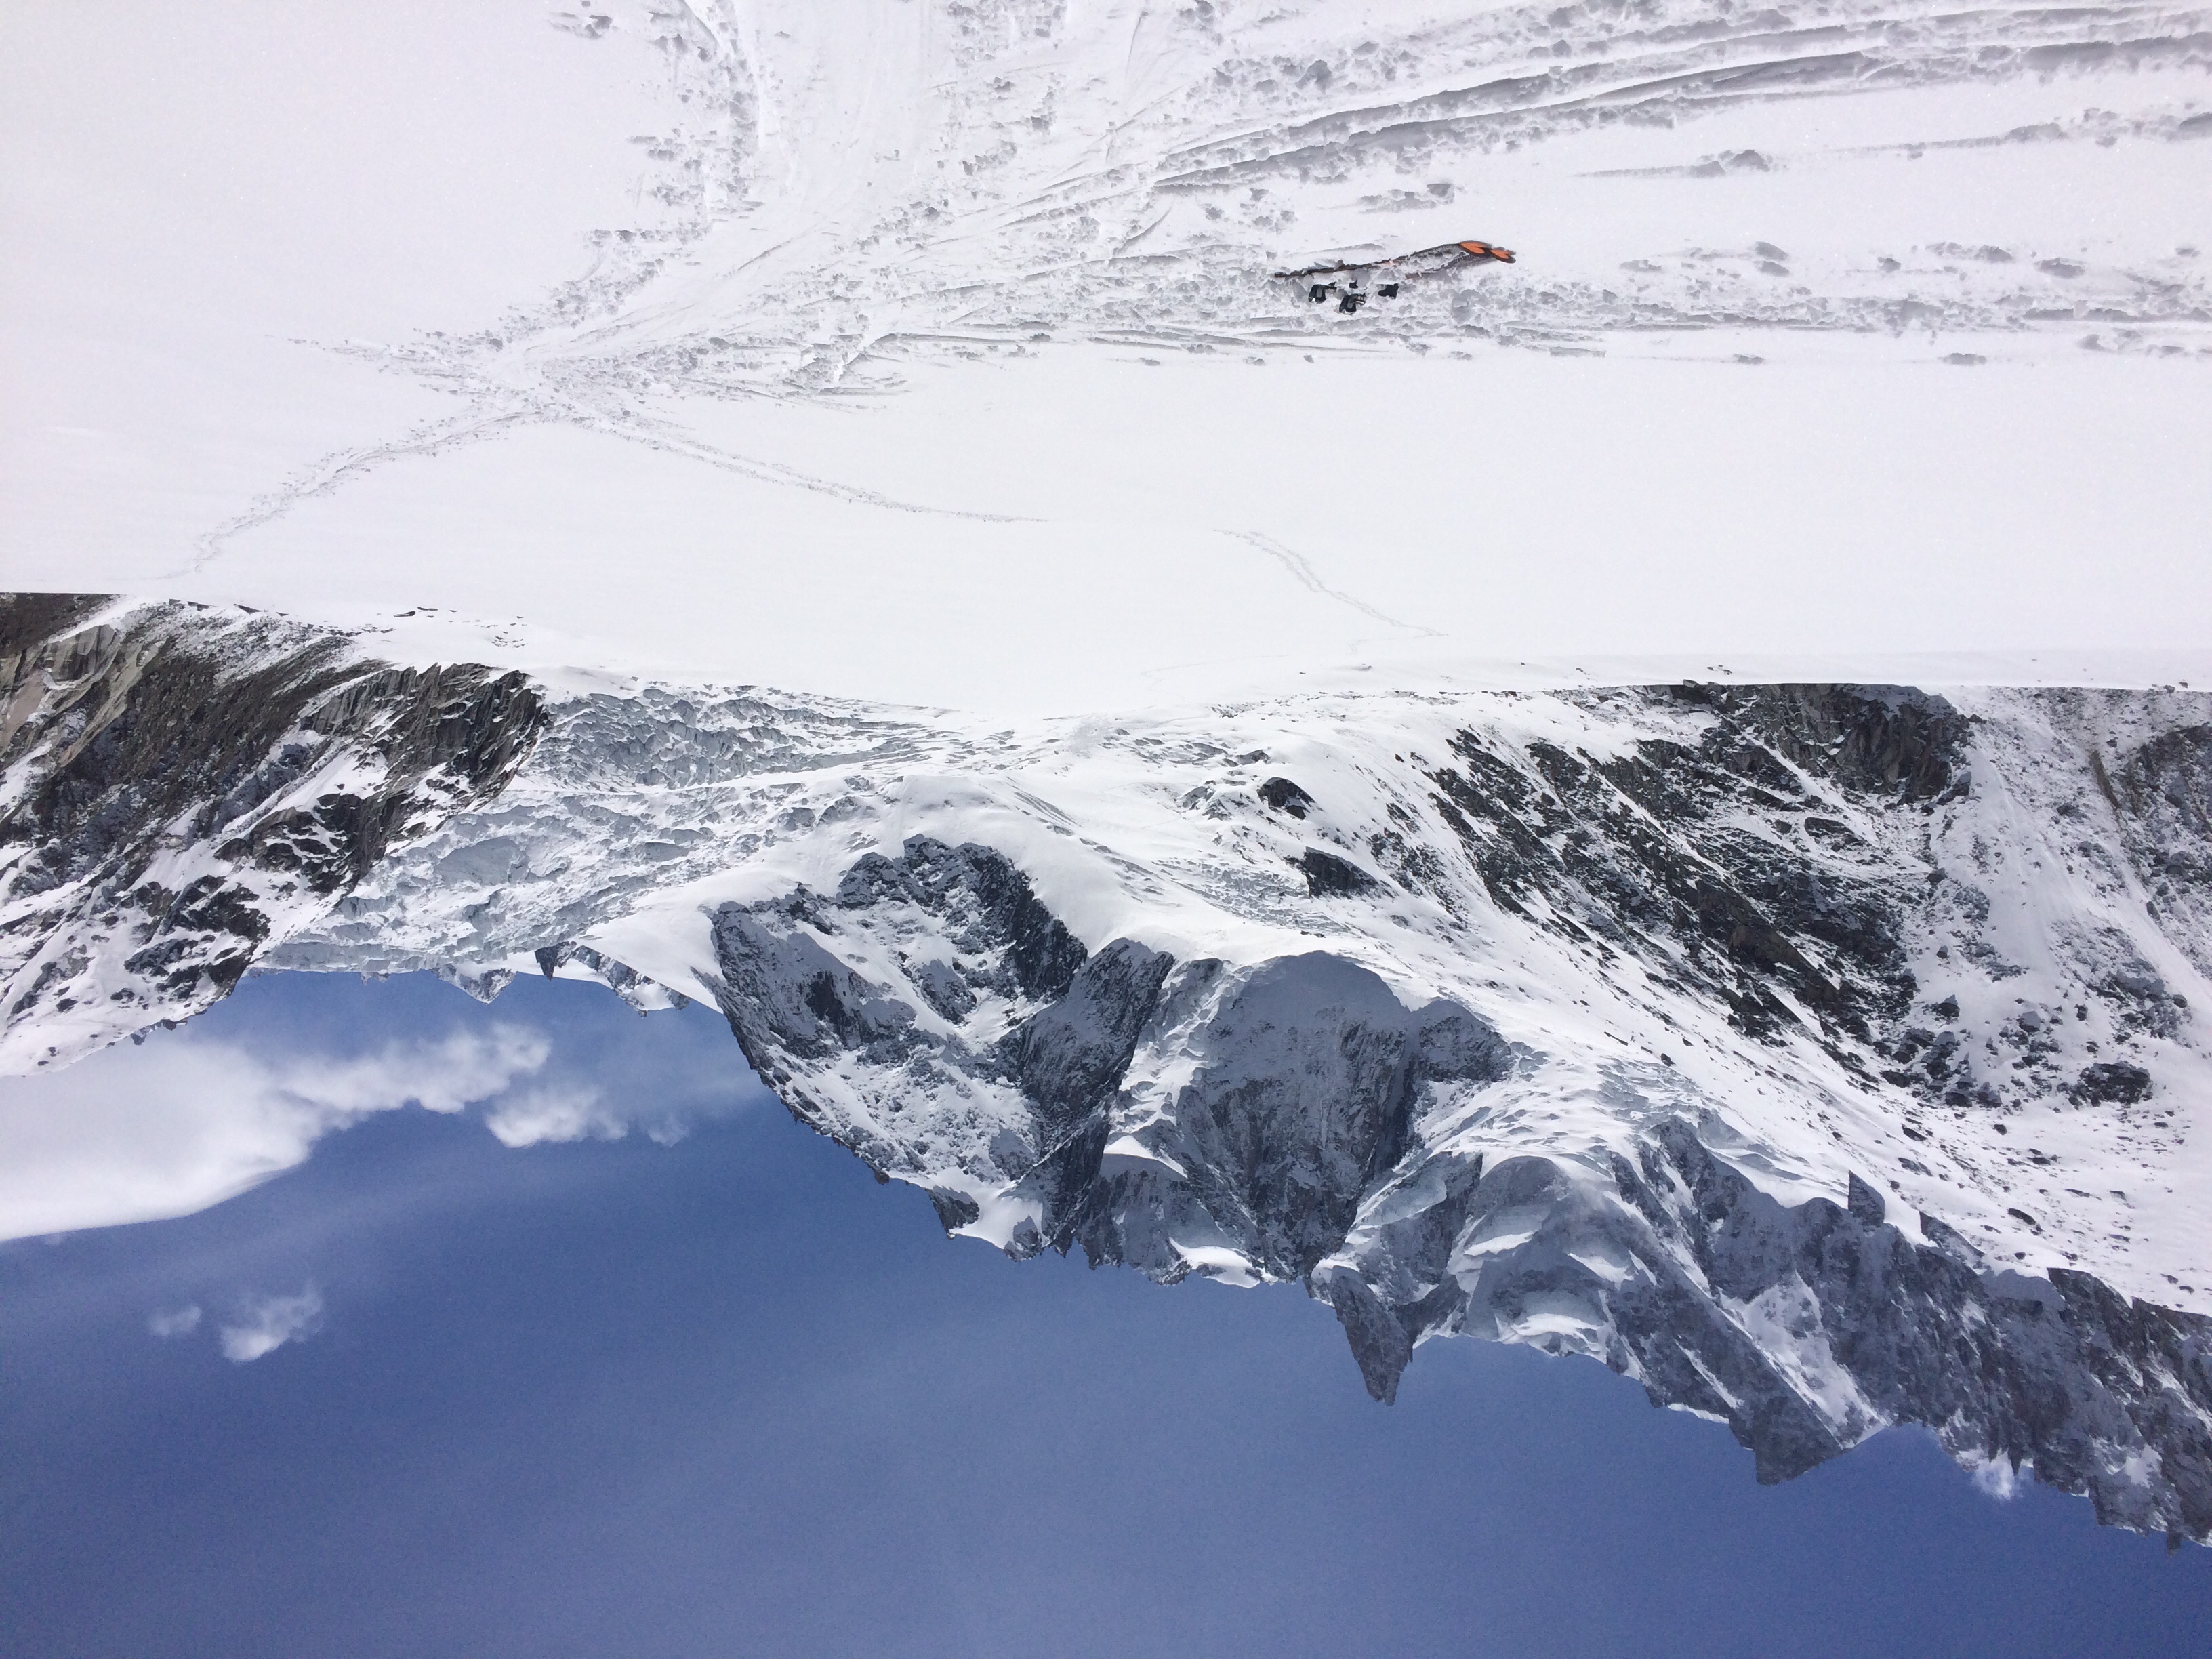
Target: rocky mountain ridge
1822, 1057
177, 781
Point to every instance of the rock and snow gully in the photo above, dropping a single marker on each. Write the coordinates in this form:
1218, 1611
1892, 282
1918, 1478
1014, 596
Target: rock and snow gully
1822, 1057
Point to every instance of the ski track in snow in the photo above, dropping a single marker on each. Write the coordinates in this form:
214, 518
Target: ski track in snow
333, 472
843, 187
1305, 574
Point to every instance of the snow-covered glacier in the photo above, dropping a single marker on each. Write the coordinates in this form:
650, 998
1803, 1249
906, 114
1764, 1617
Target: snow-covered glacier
1821, 1057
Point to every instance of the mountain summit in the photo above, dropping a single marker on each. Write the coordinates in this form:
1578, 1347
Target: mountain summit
1821, 1057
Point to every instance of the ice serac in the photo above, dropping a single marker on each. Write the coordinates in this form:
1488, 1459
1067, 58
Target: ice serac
1821, 1057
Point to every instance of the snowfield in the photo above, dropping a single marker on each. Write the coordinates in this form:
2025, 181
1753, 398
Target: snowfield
928, 353
1653, 802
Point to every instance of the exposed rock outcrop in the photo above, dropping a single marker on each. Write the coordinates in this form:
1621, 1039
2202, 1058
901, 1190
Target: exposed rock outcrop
181, 784
1822, 1057
1269, 1122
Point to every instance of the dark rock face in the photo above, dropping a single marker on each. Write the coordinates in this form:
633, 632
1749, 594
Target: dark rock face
1715, 1296
1307, 1070
789, 998
28, 621
1069, 1059
1327, 875
1647, 847
1306, 1077
1885, 740
2114, 1080
180, 774
2162, 793
797, 1011
985, 902
1183, 1116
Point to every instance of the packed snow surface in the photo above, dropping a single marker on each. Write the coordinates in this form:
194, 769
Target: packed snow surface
928, 352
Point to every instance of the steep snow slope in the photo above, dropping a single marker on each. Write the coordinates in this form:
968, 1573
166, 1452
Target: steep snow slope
1821, 1057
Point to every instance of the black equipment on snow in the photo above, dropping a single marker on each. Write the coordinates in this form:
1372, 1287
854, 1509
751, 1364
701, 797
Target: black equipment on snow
1350, 281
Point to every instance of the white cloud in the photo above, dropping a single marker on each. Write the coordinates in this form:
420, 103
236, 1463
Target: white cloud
137, 1133
1997, 1478
182, 1322
442, 1077
558, 1112
578, 1111
145, 1133
269, 1321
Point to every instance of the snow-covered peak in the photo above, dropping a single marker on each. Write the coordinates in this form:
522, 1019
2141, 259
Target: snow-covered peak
1666, 1025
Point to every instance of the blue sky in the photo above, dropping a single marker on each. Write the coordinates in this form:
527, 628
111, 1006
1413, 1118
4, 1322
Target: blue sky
730, 1395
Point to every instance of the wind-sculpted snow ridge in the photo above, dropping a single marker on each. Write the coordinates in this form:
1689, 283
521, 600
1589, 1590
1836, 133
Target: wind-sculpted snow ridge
839, 189
1822, 1057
